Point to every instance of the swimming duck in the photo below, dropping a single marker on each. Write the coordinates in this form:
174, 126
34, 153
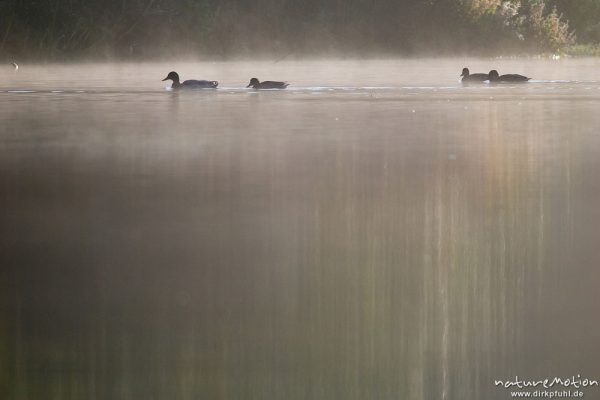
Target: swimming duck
256, 84
494, 77
191, 84
468, 77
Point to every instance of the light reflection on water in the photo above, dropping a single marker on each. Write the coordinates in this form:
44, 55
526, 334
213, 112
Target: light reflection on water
376, 231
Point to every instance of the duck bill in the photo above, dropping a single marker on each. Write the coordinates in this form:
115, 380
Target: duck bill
166, 79
462, 74
250, 85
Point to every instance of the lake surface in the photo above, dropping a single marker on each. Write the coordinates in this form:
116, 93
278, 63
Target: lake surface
376, 231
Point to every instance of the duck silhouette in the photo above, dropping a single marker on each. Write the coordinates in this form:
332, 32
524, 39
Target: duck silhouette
495, 77
191, 84
256, 84
468, 77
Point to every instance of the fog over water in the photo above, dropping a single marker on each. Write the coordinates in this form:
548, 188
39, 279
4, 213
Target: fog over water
375, 231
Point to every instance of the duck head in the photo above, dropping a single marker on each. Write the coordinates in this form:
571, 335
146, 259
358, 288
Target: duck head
493, 75
253, 82
174, 76
465, 72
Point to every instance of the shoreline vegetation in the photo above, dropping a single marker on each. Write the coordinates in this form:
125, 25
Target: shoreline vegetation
232, 29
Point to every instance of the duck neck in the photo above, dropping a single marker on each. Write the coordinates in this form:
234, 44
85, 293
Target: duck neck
175, 84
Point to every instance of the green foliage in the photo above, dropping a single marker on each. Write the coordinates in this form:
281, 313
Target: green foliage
583, 17
548, 30
479, 8
57, 29
583, 50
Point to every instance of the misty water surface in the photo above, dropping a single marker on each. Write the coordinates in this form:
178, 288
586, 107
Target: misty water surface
376, 231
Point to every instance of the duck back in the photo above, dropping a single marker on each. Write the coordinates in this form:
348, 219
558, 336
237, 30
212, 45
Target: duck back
273, 85
513, 78
479, 77
200, 84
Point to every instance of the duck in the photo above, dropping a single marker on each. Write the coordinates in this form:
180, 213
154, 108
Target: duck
256, 84
191, 84
468, 77
495, 77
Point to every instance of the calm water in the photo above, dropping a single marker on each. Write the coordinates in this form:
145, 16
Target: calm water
377, 231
